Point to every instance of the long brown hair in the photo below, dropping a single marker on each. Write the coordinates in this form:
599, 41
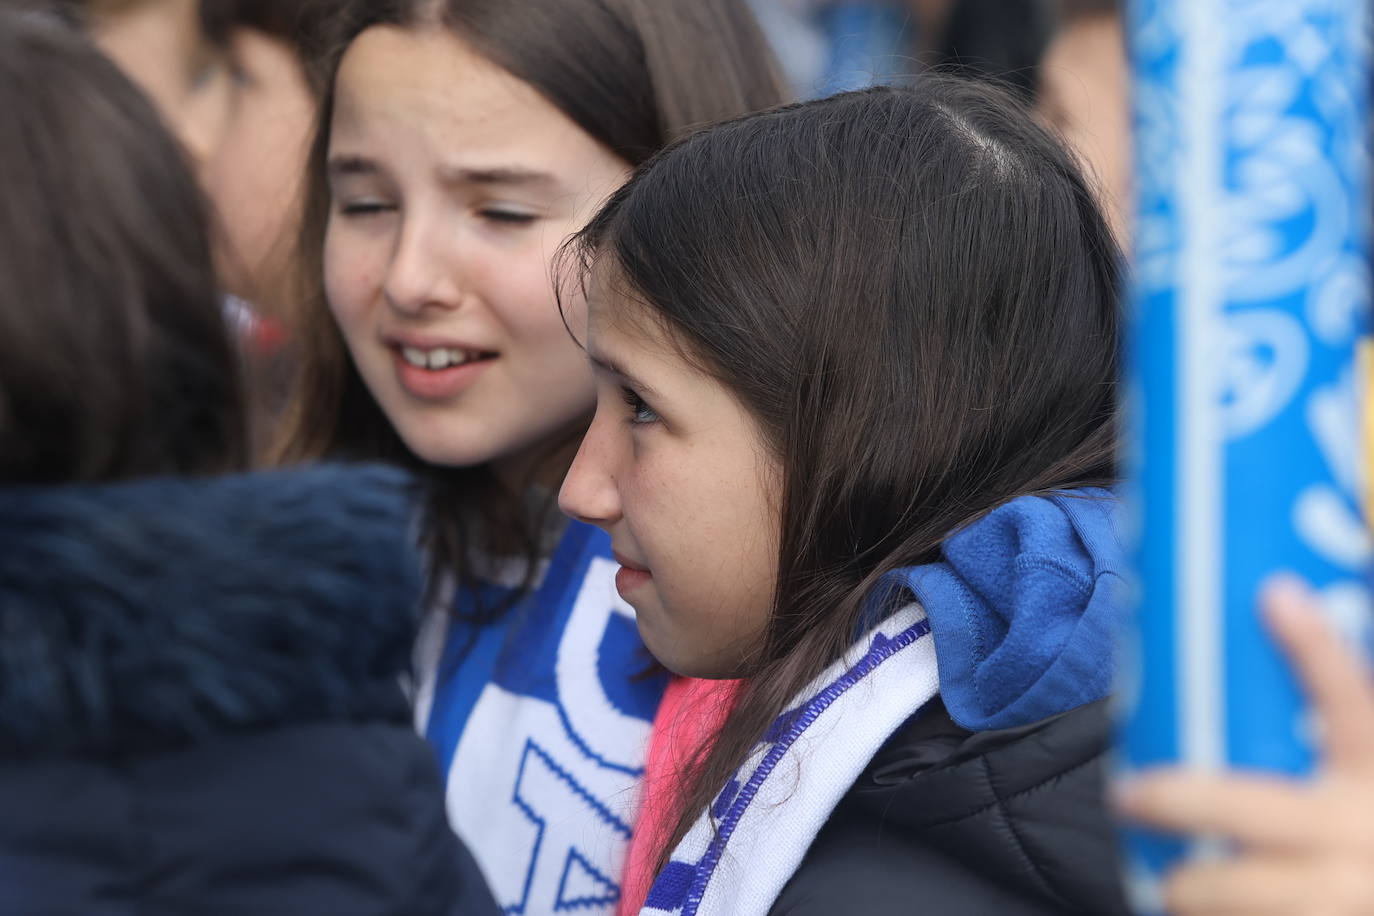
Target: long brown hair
914, 294
633, 74
115, 359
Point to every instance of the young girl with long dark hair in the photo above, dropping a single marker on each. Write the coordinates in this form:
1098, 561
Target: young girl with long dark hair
461, 142
856, 394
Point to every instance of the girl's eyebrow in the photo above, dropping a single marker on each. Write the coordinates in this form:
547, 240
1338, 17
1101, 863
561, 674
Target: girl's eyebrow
347, 164
606, 365
342, 165
518, 177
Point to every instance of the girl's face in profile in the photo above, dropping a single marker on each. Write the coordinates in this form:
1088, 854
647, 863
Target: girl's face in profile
677, 472
256, 174
453, 183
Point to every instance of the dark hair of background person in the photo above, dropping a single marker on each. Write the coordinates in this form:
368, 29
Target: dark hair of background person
913, 292
1073, 9
633, 74
115, 360
998, 40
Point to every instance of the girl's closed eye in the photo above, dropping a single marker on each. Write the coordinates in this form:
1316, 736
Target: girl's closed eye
364, 207
640, 412
507, 217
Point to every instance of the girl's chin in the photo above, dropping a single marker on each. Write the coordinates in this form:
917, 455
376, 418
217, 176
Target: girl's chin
684, 660
428, 441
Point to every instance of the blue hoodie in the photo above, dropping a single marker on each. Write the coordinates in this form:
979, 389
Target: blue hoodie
1023, 608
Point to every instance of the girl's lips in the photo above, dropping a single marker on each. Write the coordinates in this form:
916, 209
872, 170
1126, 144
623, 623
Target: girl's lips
630, 576
638, 567
628, 580
437, 384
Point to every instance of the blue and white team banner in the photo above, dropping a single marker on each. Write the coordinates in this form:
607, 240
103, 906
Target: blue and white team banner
1251, 290
541, 722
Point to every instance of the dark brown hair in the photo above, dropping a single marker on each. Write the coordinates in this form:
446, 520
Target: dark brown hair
913, 293
115, 360
633, 74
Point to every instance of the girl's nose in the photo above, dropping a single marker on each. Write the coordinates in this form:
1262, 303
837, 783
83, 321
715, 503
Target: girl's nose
589, 492
421, 275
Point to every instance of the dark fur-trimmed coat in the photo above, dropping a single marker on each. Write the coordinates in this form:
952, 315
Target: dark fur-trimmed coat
201, 708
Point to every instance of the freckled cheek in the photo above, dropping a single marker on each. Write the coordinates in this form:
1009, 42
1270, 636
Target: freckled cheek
680, 537
348, 298
350, 285
746, 538
522, 296
654, 525
541, 348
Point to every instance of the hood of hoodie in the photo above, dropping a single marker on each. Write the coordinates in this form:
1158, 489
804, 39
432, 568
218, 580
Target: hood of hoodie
1024, 605
153, 612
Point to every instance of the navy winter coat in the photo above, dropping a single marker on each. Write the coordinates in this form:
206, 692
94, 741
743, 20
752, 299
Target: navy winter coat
1009, 822
201, 708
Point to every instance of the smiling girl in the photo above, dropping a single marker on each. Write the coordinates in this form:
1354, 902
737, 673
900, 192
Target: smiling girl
461, 144
856, 391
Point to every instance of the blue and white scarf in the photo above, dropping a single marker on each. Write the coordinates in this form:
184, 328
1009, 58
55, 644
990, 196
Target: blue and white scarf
736, 861
541, 722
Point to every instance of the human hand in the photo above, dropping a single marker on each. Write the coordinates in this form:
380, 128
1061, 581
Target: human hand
1303, 847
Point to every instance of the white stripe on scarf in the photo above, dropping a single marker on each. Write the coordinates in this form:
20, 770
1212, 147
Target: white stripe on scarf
784, 793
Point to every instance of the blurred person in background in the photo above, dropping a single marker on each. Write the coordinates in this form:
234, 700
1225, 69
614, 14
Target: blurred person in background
229, 77
208, 80
257, 176
461, 142
1067, 57
829, 46
176, 51
1294, 847
256, 180
200, 698
1084, 93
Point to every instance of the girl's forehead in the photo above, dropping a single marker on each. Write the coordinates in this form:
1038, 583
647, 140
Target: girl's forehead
610, 301
620, 320
430, 78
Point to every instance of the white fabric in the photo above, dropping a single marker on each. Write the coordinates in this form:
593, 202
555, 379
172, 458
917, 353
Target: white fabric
852, 709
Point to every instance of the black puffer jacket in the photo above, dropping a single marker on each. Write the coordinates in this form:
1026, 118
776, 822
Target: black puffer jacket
944, 821
200, 703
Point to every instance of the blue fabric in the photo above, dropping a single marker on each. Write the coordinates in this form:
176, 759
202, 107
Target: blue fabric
520, 650
868, 43
1024, 606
